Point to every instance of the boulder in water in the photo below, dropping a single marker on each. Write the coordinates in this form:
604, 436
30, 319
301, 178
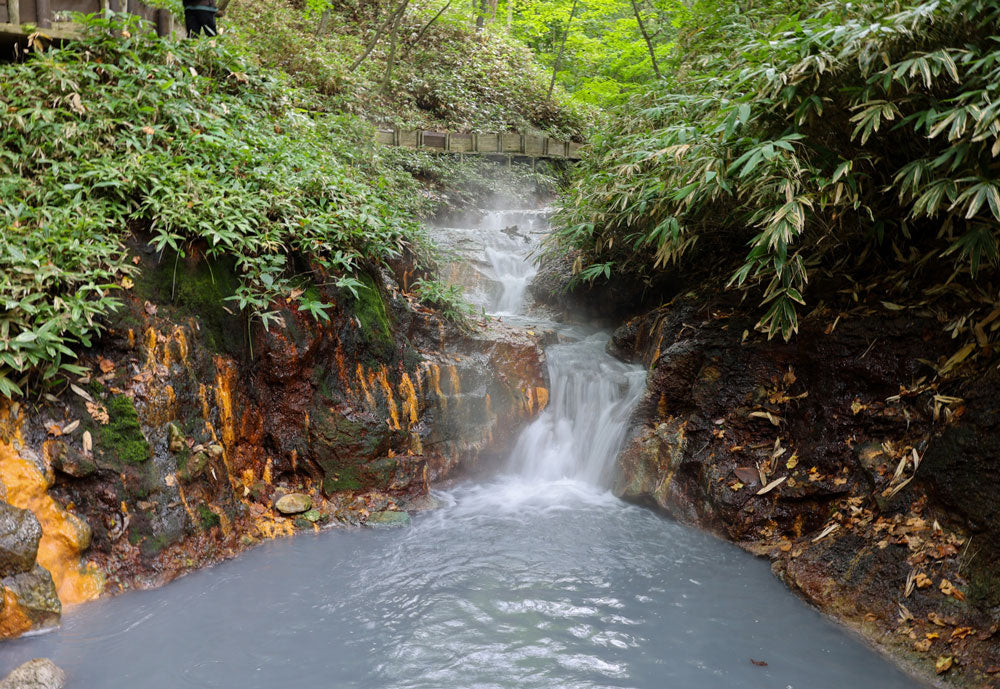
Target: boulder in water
293, 503
40, 673
387, 519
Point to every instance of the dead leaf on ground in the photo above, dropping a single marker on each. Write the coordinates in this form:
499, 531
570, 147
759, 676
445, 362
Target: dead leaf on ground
961, 632
923, 645
54, 430
826, 532
943, 664
70, 427
88, 443
746, 474
772, 485
81, 392
106, 365
150, 308
923, 581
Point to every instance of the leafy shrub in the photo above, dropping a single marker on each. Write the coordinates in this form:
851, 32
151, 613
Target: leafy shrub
186, 144
860, 131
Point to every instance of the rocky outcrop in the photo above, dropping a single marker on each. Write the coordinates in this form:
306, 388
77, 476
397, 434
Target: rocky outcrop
171, 453
865, 476
40, 673
29, 600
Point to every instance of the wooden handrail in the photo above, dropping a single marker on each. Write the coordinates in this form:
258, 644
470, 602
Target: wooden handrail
516, 144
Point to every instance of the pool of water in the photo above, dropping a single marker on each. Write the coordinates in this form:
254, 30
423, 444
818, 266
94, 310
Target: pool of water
511, 584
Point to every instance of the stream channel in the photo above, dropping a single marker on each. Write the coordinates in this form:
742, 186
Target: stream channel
538, 577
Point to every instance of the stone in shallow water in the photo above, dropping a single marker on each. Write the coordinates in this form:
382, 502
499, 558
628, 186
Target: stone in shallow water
40, 673
293, 503
387, 519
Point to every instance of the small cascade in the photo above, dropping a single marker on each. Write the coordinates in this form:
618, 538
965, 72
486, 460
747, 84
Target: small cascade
592, 394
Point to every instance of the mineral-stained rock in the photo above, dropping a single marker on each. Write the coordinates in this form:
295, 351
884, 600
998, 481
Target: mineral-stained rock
19, 536
387, 519
40, 673
293, 503
36, 596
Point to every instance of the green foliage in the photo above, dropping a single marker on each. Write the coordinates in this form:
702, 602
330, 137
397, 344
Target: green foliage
853, 132
606, 58
453, 78
447, 298
185, 144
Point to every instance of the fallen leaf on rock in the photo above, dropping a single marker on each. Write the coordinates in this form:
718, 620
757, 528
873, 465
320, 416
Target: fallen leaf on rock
746, 474
792, 462
993, 669
150, 308
98, 413
54, 430
88, 443
923, 645
774, 419
932, 635
759, 663
942, 551
70, 427
948, 589
923, 581
735, 485
772, 485
105, 365
961, 632
943, 664
826, 532
936, 619
904, 613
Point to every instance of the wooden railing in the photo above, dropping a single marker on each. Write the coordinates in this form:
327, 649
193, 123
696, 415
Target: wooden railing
53, 16
514, 144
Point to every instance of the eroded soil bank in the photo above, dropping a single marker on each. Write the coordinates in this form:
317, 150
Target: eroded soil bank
861, 458
172, 453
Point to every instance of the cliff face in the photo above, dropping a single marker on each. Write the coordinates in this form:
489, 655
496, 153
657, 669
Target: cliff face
860, 458
172, 453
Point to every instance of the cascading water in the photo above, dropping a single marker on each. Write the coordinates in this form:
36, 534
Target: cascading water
539, 579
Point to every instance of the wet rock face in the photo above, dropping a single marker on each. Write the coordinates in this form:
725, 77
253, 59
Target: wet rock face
19, 536
192, 423
802, 452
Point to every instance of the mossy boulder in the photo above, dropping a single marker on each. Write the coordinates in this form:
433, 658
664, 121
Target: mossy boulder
387, 519
293, 503
121, 441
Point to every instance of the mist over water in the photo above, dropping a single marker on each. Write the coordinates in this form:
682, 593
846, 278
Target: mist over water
539, 578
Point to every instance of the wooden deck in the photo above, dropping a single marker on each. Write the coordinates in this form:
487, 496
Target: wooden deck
53, 19
509, 144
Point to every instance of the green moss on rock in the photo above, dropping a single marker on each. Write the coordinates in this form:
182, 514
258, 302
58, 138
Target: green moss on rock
370, 309
207, 518
121, 437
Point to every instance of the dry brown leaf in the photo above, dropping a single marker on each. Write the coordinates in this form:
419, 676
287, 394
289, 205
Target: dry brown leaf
150, 308
746, 474
772, 485
923, 645
826, 532
70, 427
106, 365
774, 419
54, 430
961, 632
98, 413
81, 392
923, 581
88, 443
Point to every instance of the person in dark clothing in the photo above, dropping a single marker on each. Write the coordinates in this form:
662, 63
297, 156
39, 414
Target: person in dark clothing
199, 17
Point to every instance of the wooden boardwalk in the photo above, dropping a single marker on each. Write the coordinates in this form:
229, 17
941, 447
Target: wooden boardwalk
509, 144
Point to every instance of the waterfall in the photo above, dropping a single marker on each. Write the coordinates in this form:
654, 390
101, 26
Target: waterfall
592, 394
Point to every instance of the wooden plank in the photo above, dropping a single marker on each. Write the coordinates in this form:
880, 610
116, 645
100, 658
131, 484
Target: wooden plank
488, 143
408, 139
14, 12
461, 143
437, 140
510, 143
573, 150
163, 18
534, 145
386, 137
4, 12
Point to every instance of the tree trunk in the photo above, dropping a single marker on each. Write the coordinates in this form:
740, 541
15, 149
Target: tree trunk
562, 47
378, 34
645, 37
393, 42
510, 14
480, 14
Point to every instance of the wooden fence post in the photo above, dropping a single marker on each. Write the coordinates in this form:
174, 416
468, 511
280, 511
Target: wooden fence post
14, 12
44, 10
163, 18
